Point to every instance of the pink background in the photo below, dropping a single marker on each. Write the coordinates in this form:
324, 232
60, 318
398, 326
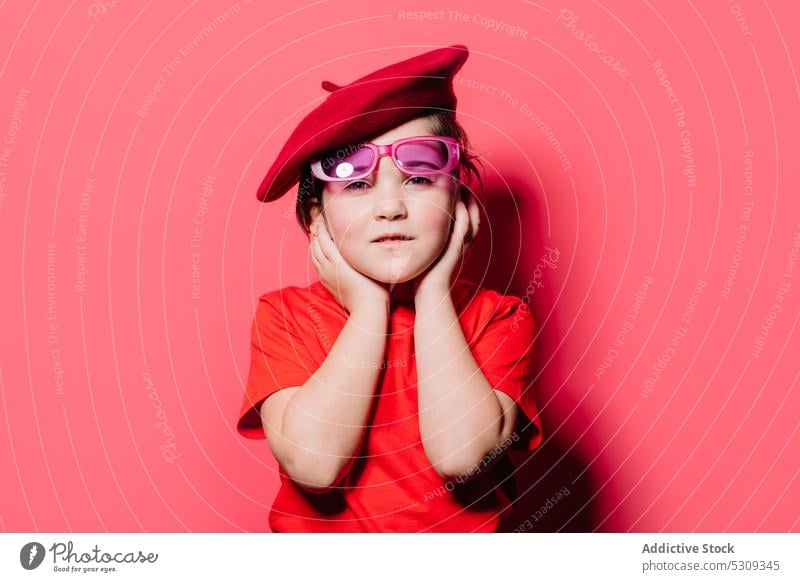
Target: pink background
586, 162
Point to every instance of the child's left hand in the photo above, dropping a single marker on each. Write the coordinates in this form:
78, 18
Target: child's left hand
439, 275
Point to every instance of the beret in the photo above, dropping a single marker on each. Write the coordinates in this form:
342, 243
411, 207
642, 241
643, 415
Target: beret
368, 106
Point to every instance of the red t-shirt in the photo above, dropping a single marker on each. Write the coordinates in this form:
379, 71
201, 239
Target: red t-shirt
392, 485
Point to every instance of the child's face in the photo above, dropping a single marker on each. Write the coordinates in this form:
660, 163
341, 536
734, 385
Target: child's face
389, 201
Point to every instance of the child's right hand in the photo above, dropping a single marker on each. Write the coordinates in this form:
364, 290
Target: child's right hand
351, 288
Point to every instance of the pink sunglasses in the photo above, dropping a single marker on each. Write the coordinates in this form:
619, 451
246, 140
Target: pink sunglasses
418, 156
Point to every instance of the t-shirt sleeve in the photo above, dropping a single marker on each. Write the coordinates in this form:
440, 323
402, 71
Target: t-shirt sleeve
504, 353
278, 359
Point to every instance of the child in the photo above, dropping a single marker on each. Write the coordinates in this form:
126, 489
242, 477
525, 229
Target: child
389, 390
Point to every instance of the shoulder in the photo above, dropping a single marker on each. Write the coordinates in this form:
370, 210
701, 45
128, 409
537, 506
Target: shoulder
483, 308
486, 302
283, 303
301, 307
292, 296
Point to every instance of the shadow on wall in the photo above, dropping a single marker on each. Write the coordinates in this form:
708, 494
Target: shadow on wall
553, 491
553, 486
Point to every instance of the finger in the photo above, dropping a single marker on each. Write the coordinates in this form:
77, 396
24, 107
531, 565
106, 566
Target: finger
316, 252
323, 242
325, 238
466, 239
462, 219
313, 251
323, 230
475, 217
330, 250
316, 263
456, 242
474, 212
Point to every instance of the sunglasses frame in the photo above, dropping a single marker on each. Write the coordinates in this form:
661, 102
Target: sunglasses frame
379, 151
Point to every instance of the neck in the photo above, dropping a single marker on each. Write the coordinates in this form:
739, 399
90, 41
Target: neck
401, 294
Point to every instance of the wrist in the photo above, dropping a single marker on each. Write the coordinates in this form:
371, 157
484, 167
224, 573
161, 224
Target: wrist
431, 295
371, 309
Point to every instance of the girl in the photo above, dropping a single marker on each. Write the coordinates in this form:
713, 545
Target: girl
390, 390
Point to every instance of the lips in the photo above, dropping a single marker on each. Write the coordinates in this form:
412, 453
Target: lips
393, 237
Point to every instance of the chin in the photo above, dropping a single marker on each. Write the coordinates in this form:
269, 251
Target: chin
394, 272
392, 278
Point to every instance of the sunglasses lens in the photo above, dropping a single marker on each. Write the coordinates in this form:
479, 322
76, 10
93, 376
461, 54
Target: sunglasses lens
423, 156
347, 162
417, 156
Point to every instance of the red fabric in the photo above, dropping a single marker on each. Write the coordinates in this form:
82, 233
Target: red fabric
368, 106
392, 486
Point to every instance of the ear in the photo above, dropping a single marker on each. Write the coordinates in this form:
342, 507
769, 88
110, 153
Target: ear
313, 214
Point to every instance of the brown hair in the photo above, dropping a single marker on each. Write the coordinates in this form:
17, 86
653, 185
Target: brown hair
443, 123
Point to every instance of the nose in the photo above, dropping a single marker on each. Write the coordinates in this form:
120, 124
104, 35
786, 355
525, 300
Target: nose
389, 201
390, 207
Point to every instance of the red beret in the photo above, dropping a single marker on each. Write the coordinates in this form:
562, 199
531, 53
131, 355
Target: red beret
368, 106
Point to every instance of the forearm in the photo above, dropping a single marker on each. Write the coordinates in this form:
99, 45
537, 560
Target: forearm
460, 417
323, 423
